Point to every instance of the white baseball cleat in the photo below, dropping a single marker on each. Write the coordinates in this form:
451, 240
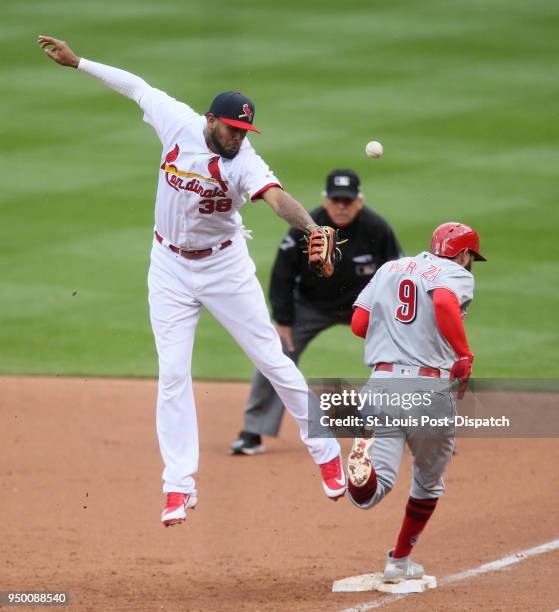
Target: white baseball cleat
361, 474
334, 481
400, 569
175, 508
359, 467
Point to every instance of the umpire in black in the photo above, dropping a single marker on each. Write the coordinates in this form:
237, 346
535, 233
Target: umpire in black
304, 304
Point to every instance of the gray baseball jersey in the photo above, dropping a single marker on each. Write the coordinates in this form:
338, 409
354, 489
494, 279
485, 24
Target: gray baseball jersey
402, 326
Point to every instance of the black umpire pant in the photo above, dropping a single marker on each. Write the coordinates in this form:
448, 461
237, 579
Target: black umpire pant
264, 409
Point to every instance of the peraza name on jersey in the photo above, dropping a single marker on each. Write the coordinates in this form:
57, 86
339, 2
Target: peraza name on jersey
430, 274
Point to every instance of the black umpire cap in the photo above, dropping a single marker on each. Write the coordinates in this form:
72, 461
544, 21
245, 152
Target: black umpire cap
343, 184
234, 109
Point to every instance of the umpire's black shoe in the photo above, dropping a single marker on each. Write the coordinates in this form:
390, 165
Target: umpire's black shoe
247, 444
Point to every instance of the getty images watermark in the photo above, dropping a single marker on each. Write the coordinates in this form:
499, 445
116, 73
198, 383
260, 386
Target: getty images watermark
383, 403
429, 407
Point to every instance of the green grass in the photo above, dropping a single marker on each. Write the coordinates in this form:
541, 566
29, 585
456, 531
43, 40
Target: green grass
462, 94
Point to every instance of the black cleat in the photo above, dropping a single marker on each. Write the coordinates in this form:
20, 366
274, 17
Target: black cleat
247, 444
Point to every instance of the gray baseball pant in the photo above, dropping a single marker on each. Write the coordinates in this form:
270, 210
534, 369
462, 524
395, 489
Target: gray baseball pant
430, 453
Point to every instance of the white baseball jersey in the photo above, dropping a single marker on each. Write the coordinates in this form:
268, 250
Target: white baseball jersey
402, 327
199, 192
198, 197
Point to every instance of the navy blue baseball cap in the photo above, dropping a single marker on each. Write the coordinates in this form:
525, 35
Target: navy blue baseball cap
234, 109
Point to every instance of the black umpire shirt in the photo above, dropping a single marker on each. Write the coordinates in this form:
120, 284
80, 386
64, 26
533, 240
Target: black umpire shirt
371, 243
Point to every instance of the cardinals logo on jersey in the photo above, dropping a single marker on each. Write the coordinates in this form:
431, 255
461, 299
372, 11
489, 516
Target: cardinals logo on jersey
246, 113
175, 177
171, 157
213, 169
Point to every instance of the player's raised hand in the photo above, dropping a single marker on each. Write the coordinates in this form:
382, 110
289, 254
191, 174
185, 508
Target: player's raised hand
58, 51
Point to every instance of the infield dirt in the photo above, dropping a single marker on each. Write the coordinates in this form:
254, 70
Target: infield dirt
81, 497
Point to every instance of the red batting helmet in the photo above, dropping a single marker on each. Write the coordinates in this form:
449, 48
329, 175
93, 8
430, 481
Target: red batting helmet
449, 239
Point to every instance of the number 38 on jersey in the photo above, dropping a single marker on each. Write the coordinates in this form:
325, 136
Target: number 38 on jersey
208, 206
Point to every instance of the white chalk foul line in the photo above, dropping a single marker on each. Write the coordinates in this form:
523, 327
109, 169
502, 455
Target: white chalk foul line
493, 566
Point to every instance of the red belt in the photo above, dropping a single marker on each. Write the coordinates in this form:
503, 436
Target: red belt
194, 254
389, 367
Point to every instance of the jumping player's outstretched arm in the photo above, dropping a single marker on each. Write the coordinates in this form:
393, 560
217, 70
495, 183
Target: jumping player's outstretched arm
321, 241
288, 208
123, 82
160, 110
58, 51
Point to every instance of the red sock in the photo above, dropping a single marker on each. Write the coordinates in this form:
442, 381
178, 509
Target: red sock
418, 512
363, 494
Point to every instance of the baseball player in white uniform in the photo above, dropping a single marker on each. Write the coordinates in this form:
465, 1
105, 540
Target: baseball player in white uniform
199, 258
410, 315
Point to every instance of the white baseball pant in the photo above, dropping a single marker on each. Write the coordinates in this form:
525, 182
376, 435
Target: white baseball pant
225, 283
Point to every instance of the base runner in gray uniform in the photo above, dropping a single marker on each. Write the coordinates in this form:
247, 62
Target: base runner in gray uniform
410, 315
304, 305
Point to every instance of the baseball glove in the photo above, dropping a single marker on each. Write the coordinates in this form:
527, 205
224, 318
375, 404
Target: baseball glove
322, 249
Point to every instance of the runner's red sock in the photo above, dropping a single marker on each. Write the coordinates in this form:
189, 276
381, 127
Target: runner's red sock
418, 512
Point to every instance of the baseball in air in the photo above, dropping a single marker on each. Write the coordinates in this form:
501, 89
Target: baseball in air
374, 149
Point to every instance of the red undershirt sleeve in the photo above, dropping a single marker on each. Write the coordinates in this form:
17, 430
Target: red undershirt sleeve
262, 190
360, 322
449, 320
